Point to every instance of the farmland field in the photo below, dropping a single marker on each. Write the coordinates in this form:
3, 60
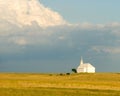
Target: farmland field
31, 84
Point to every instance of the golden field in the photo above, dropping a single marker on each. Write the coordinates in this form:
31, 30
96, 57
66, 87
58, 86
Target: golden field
83, 84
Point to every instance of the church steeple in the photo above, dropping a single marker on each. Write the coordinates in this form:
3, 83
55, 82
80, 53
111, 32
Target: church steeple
81, 62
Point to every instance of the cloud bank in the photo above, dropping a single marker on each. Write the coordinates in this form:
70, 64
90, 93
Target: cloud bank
35, 38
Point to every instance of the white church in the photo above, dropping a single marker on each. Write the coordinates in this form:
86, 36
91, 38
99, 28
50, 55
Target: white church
85, 67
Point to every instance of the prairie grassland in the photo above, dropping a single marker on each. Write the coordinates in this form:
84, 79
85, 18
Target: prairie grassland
16, 84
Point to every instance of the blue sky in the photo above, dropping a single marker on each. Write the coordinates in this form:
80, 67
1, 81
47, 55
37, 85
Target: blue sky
94, 11
35, 38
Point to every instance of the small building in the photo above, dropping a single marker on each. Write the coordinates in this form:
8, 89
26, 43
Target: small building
85, 67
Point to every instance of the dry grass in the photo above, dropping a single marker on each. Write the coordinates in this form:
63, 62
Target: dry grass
108, 83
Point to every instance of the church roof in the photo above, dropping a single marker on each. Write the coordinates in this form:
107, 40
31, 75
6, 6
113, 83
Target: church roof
85, 65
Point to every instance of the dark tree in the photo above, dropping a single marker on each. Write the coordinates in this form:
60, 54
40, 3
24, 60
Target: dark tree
67, 73
74, 70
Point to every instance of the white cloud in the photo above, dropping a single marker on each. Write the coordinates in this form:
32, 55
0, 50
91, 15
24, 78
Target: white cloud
21, 41
61, 37
107, 49
114, 24
24, 12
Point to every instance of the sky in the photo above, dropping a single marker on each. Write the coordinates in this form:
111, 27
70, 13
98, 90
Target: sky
51, 36
95, 11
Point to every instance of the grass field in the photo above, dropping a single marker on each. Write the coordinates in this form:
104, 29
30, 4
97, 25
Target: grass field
98, 84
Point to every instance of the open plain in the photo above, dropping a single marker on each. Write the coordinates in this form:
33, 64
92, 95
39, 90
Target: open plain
83, 84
